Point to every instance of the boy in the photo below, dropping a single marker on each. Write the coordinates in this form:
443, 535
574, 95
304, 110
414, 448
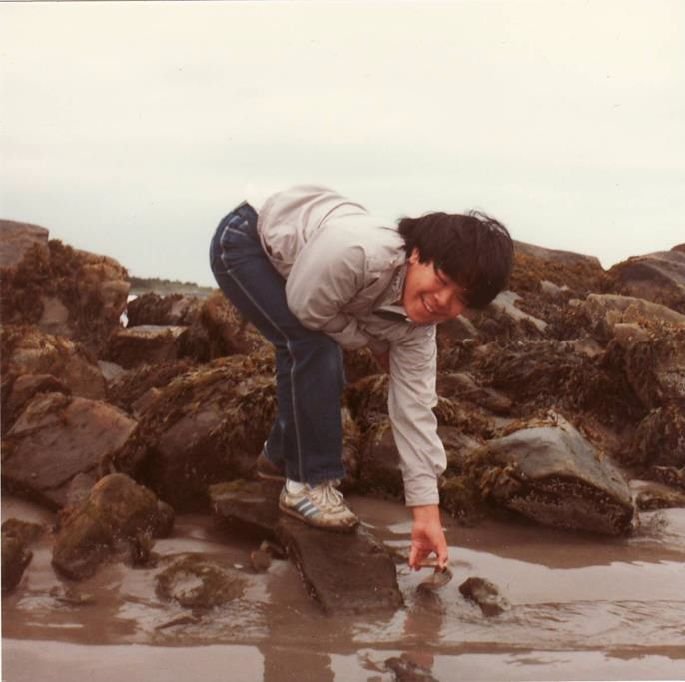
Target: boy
315, 273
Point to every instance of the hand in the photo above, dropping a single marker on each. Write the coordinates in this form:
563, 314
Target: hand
383, 359
427, 536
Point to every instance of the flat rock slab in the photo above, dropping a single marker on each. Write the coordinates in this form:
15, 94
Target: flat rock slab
250, 504
347, 573
148, 343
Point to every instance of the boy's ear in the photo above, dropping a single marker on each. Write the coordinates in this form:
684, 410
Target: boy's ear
414, 256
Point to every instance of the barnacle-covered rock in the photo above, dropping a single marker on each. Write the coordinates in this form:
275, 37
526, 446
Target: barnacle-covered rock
550, 473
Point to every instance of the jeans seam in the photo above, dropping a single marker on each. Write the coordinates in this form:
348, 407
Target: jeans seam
229, 272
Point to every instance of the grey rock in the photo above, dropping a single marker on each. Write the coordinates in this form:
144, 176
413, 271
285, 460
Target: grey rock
550, 473
346, 573
57, 437
486, 595
657, 277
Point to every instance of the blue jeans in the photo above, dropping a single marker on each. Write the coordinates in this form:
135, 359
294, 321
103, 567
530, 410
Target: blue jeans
307, 435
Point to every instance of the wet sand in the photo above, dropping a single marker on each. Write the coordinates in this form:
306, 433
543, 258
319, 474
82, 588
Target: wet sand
583, 608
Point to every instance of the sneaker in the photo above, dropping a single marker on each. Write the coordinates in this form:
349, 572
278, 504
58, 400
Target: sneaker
269, 471
321, 506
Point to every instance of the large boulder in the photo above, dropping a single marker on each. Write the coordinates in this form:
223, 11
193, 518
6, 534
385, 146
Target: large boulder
548, 472
72, 293
560, 375
119, 518
206, 426
535, 264
657, 277
56, 438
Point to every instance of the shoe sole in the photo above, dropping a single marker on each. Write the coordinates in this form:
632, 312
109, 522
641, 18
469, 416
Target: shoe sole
336, 529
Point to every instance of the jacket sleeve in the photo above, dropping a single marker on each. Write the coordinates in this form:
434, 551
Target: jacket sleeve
411, 398
327, 274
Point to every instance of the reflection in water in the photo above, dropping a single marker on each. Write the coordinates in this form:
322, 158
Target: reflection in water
579, 608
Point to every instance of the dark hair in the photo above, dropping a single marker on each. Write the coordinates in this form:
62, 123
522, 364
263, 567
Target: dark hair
473, 250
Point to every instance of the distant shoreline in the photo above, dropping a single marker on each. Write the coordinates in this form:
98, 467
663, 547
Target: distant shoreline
164, 287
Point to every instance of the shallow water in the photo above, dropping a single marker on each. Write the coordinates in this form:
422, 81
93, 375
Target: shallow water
583, 608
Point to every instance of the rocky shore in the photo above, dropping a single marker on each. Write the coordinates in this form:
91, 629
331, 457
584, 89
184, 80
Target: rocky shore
562, 404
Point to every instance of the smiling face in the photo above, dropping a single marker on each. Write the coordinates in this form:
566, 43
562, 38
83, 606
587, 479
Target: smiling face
429, 295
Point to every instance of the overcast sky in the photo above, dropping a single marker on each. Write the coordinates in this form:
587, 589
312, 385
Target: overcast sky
130, 129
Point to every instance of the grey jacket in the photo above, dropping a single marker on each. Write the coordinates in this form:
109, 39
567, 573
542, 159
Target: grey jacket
342, 264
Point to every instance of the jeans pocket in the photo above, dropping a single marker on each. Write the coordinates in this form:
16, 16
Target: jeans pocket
235, 233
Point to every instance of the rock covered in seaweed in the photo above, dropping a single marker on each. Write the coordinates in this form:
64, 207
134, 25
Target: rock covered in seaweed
119, 518
33, 362
205, 427
657, 277
73, 293
548, 472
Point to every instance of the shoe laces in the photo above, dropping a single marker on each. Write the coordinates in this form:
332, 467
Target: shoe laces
327, 495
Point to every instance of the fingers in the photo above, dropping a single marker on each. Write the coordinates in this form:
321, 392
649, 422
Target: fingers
443, 557
418, 556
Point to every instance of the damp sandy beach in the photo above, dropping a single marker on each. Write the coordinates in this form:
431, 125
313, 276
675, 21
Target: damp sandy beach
583, 608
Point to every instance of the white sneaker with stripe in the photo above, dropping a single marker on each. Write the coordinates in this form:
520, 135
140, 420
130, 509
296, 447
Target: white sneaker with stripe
320, 505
